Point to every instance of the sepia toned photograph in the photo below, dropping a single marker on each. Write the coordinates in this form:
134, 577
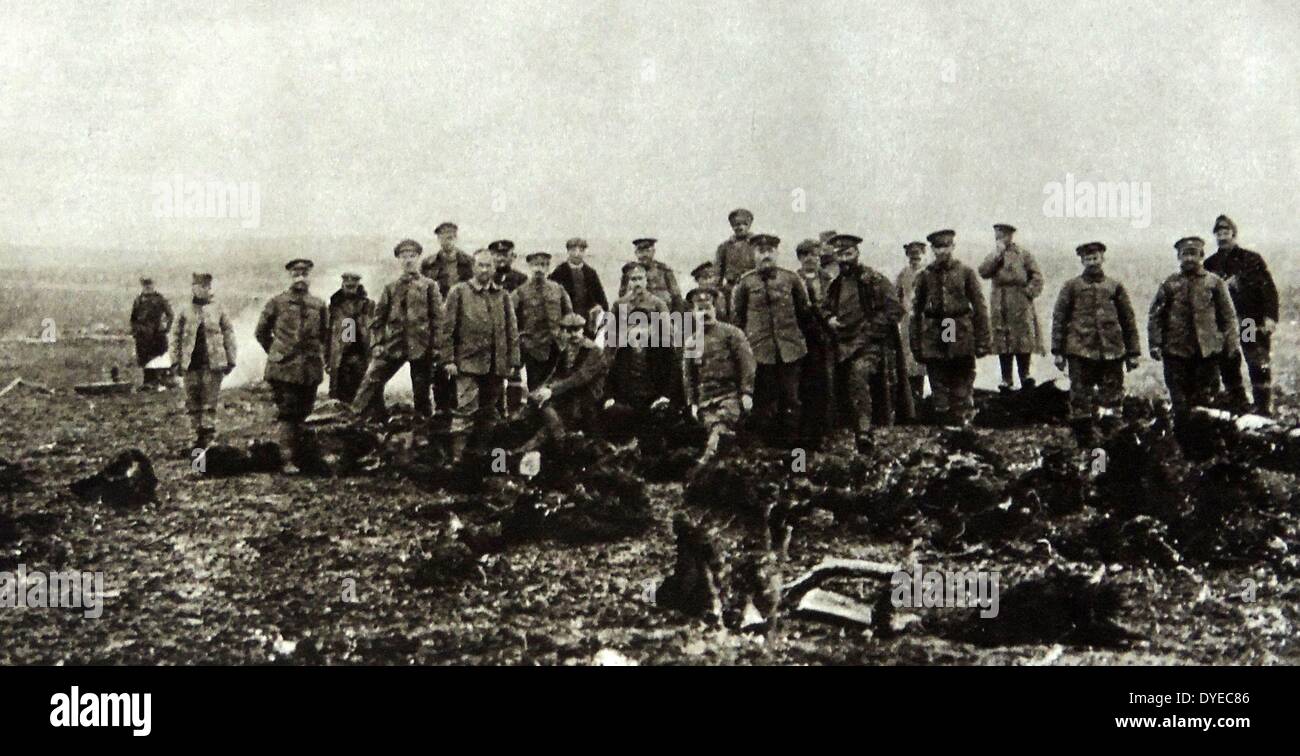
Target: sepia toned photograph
591, 332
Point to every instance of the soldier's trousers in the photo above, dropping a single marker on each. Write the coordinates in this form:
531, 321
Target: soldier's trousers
720, 416
478, 401
1258, 357
1191, 381
346, 378
1021, 360
1093, 383
815, 393
776, 395
539, 370
293, 403
951, 384
867, 381
202, 387
444, 392
370, 396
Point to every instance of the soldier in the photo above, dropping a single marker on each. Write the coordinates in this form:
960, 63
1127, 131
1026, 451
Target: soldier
718, 373
641, 374
582, 283
539, 306
771, 306
660, 279
862, 309
1192, 327
151, 319
636, 292
294, 332
505, 275
816, 393
348, 350
1017, 282
735, 256
1254, 296
706, 277
405, 329
481, 342
829, 265
906, 283
1095, 336
949, 328
570, 398
203, 352
450, 264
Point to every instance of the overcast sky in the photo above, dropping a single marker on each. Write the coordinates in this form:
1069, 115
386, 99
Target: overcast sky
619, 119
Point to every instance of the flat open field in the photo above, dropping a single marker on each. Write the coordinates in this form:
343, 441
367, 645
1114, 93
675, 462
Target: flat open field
271, 568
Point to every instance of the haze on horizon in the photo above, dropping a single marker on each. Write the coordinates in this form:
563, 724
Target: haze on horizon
542, 120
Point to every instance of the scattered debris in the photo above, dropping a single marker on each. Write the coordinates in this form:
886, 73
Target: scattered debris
102, 388
1060, 607
24, 383
127, 480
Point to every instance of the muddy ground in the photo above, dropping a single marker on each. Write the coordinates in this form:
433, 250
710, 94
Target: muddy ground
277, 569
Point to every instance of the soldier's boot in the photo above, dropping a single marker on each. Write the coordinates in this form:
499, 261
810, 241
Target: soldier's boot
290, 448
1264, 400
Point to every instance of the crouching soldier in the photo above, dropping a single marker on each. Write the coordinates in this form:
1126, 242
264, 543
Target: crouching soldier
203, 352
481, 341
1192, 327
640, 375
862, 309
718, 372
1095, 336
405, 328
348, 349
949, 329
570, 397
294, 332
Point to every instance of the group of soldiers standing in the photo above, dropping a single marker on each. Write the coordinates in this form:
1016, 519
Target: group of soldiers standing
828, 342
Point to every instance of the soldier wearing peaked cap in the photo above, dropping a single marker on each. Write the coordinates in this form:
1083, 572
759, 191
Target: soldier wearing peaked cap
404, 330
816, 389
450, 264
906, 285
735, 256
1094, 336
569, 397
949, 328
770, 305
718, 373
863, 310
347, 352
503, 252
1017, 282
151, 318
582, 283
294, 332
1254, 295
660, 279
539, 305
203, 352
706, 275
1191, 328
